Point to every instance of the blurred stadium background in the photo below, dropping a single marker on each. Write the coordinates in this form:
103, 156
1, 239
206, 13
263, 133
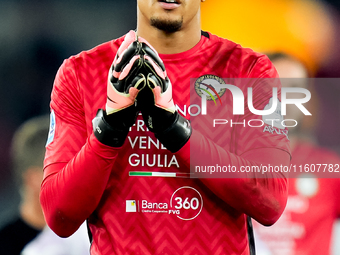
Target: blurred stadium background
35, 37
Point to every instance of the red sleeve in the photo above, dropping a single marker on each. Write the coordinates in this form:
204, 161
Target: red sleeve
71, 192
261, 196
77, 167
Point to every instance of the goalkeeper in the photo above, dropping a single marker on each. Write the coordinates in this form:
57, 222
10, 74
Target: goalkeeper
117, 143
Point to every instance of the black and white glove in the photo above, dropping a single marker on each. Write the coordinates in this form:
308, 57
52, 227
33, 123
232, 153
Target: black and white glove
157, 105
125, 81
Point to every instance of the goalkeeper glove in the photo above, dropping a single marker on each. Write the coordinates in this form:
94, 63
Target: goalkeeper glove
124, 83
156, 103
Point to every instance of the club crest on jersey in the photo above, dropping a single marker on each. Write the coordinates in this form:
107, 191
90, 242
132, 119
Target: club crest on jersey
209, 85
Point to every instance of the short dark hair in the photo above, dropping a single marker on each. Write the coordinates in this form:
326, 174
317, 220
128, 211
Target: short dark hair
28, 145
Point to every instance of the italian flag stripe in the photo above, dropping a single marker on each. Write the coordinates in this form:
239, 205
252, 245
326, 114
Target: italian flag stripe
159, 174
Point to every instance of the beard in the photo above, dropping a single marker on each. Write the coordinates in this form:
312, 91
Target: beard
168, 26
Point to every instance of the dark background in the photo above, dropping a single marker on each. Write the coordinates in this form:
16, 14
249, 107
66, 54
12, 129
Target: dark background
35, 37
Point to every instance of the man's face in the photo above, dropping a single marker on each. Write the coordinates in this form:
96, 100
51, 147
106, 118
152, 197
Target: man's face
169, 15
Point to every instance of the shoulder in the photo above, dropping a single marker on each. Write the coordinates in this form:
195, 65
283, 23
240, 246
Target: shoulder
247, 62
99, 57
234, 49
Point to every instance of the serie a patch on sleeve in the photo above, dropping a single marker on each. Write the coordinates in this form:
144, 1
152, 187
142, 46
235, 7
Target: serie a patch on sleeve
52, 128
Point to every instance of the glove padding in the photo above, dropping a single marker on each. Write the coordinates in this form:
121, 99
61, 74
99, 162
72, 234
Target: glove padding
157, 105
125, 80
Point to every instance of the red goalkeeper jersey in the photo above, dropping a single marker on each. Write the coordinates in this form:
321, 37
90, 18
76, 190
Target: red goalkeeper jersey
138, 199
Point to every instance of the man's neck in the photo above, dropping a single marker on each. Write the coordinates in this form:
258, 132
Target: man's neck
170, 43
